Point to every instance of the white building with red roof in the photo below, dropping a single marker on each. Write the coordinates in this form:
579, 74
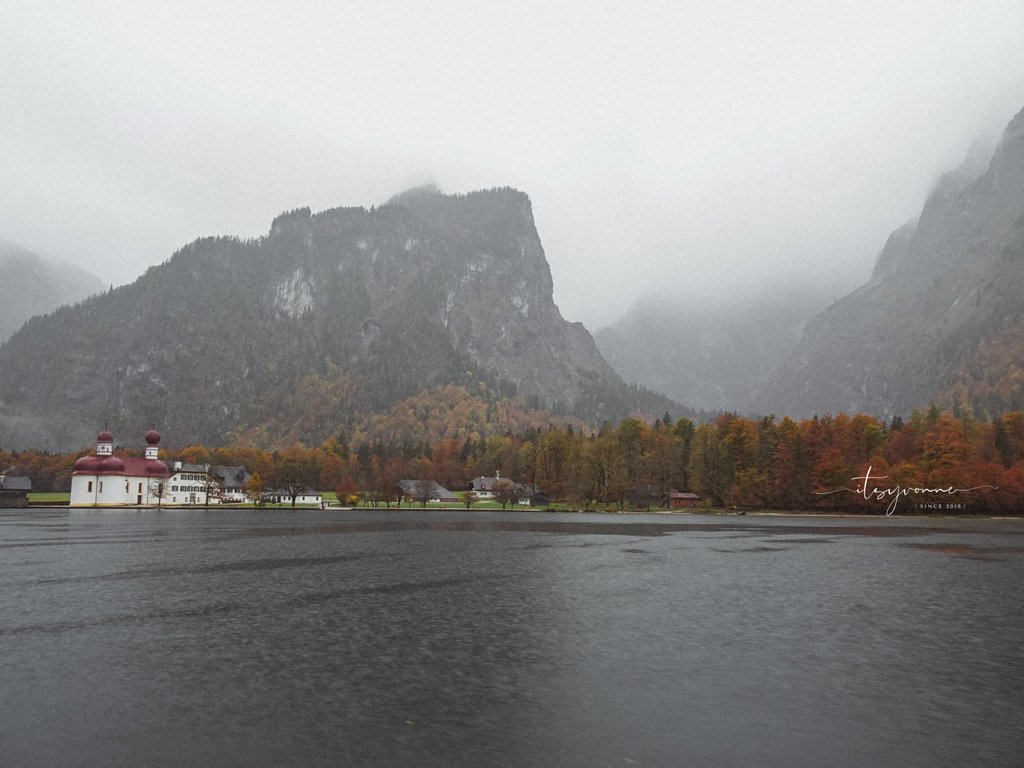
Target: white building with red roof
105, 480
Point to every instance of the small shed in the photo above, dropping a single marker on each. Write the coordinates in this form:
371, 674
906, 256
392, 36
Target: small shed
14, 490
679, 500
538, 499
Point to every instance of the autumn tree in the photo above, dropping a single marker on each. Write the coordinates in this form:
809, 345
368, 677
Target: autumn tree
506, 492
212, 486
347, 491
659, 460
423, 491
630, 436
682, 432
707, 464
255, 490
557, 452
293, 478
195, 454
529, 462
334, 471
833, 479
393, 469
944, 448
601, 476
446, 466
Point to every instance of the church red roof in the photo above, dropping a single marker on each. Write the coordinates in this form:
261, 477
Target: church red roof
89, 464
145, 467
128, 466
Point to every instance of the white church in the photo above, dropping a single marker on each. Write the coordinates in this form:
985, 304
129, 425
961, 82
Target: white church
105, 480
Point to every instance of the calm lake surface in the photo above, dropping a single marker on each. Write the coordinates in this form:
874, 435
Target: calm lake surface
407, 638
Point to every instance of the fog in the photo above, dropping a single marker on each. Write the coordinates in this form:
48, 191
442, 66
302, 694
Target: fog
701, 148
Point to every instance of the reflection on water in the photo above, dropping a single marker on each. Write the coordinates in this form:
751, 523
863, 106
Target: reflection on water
507, 639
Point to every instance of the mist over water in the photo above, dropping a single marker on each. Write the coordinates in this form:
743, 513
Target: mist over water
507, 639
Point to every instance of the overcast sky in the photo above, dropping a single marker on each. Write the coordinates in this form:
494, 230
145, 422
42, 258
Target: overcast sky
703, 146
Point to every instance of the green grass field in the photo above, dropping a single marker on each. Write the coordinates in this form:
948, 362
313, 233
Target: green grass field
49, 497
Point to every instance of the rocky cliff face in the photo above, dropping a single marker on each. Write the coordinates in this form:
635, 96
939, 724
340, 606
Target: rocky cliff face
31, 285
942, 318
359, 307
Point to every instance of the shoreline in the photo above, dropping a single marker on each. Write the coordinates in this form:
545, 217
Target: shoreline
629, 512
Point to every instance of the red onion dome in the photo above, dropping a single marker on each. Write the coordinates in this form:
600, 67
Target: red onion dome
157, 468
106, 436
111, 464
152, 437
89, 464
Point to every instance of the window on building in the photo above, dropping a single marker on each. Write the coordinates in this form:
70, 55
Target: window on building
90, 486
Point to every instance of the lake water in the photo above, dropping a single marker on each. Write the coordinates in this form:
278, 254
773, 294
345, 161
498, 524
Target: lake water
418, 638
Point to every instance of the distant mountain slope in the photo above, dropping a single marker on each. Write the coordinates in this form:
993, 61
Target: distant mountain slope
711, 357
942, 317
306, 331
31, 285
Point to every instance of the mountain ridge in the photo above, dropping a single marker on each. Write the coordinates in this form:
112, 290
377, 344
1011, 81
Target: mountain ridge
945, 294
425, 291
939, 320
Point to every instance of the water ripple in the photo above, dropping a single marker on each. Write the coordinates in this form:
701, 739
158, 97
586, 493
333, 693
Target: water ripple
213, 609
267, 564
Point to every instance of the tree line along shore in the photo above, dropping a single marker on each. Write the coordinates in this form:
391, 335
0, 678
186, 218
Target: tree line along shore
816, 464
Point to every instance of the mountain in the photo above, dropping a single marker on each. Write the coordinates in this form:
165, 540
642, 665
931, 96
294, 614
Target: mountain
32, 285
941, 318
710, 356
307, 332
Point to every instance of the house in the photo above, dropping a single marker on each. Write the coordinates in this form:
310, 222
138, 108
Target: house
192, 484
426, 490
677, 500
483, 487
102, 479
282, 496
14, 489
206, 484
232, 483
488, 488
